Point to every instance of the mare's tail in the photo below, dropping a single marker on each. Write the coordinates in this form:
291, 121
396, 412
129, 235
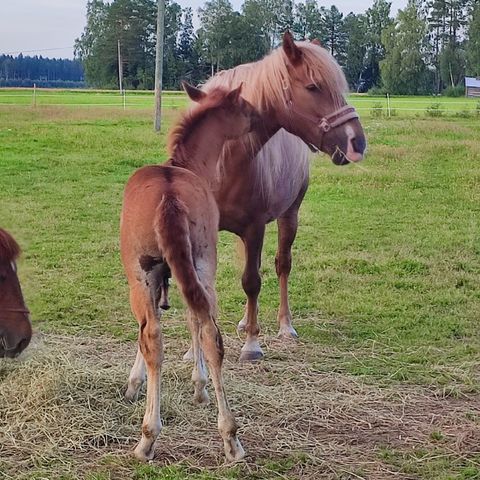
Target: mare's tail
173, 236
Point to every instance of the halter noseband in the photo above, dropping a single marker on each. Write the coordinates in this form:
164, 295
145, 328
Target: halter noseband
325, 124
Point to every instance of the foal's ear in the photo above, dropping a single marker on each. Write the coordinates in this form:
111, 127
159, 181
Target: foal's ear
234, 95
294, 54
194, 93
316, 41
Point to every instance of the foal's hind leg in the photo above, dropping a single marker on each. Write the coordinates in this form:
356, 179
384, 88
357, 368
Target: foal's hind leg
136, 378
199, 374
151, 348
287, 230
212, 344
251, 282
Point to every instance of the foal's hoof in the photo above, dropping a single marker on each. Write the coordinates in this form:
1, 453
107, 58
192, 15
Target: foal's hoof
131, 392
287, 333
233, 449
142, 455
241, 325
251, 356
201, 398
188, 357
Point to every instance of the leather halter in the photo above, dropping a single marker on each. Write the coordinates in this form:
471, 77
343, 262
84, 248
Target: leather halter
325, 124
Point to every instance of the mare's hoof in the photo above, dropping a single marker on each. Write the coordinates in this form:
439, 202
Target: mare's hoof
251, 356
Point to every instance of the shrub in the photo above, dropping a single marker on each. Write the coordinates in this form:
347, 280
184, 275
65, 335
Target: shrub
377, 110
457, 91
434, 110
465, 113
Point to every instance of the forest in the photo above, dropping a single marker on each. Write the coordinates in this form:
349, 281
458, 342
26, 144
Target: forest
427, 48
23, 71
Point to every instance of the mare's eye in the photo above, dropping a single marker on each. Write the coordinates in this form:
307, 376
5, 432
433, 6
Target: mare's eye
313, 87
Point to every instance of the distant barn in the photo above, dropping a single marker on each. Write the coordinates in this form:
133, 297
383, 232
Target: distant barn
472, 87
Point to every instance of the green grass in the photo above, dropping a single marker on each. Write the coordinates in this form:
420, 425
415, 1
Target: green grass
386, 263
370, 106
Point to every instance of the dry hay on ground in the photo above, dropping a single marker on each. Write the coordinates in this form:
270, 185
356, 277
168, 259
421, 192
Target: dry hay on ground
61, 406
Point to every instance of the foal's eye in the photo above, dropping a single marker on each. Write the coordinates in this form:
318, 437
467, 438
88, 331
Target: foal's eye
313, 87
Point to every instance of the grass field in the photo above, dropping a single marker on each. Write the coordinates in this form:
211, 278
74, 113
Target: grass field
384, 382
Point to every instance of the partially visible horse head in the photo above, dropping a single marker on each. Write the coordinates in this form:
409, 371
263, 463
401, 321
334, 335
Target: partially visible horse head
236, 115
15, 326
315, 105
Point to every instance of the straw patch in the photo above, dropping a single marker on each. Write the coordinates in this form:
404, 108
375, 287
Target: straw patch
62, 411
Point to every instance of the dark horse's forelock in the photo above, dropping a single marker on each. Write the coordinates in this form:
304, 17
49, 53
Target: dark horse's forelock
9, 249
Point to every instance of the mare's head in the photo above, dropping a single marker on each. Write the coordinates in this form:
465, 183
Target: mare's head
234, 114
315, 105
15, 327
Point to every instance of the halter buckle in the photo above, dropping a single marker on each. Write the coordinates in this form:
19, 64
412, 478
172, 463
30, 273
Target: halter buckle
324, 125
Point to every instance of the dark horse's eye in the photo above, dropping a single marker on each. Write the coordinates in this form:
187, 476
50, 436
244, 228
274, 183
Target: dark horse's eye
313, 87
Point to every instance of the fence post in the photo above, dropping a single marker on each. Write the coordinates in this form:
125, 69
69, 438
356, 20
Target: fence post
388, 105
124, 100
34, 95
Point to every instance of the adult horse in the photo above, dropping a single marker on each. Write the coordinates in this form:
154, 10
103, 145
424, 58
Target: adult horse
15, 327
299, 91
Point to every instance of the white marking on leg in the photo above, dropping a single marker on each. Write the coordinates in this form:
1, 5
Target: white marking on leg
137, 377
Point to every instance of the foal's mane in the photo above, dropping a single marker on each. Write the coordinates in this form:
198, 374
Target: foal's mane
191, 118
9, 249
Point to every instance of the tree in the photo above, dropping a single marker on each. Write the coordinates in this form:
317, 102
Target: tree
355, 27
404, 70
473, 45
308, 23
335, 38
378, 19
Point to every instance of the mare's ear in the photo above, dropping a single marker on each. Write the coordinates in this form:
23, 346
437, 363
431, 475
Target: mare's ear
194, 93
234, 95
316, 41
294, 54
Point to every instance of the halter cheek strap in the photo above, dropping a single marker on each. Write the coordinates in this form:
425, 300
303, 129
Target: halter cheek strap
325, 124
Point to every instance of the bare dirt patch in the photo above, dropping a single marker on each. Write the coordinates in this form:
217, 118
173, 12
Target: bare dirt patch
62, 410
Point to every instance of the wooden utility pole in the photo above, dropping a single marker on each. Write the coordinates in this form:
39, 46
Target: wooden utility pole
120, 68
159, 63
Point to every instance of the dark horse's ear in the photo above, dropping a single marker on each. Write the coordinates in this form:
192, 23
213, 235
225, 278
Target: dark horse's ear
235, 94
294, 54
316, 41
194, 93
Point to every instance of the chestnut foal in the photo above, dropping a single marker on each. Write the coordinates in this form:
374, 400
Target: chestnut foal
15, 326
170, 221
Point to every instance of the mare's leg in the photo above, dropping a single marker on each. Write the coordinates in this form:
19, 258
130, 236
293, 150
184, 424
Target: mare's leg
151, 348
251, 282
287, 230
212, 345
136, 378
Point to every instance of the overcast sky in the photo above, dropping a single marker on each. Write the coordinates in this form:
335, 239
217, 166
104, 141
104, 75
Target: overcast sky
50, 27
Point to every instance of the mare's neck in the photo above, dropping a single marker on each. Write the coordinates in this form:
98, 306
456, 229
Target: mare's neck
200, 150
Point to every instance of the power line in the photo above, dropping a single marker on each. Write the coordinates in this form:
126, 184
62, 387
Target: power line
37, 50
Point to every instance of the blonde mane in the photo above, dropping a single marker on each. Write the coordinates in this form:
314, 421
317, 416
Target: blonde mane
265, 85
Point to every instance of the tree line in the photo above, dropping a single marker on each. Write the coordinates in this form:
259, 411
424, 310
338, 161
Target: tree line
23, 71
427, 48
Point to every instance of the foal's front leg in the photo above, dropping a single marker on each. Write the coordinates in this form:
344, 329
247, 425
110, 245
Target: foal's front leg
251, 282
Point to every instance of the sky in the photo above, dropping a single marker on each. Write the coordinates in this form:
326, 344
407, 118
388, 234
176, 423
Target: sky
50, 27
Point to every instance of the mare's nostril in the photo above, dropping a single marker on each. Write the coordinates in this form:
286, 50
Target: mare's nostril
358, 144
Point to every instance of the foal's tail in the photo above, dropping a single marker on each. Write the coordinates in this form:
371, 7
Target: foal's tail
173, 236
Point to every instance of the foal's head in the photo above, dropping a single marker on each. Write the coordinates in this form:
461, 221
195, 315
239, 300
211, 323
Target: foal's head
234, 114
15, 327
